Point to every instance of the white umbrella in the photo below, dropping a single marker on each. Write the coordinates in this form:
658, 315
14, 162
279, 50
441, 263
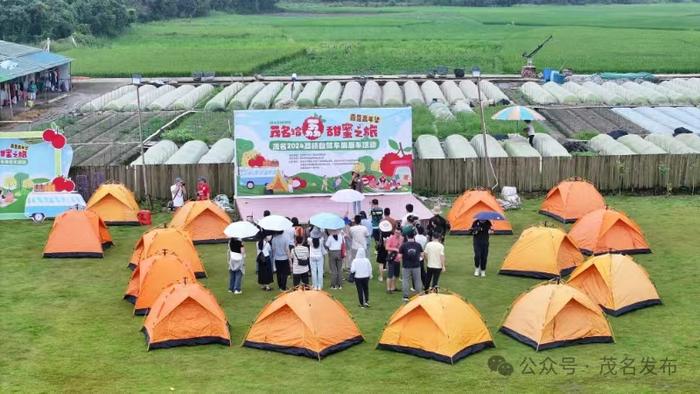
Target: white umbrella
347, 195
242, 229
275, 223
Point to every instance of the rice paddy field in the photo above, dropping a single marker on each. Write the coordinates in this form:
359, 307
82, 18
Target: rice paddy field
319, 39
65, 327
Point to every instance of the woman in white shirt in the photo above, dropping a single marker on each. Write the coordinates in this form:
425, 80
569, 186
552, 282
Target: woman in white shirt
362, 269
334, 243
316, 260
435, 261
300, 263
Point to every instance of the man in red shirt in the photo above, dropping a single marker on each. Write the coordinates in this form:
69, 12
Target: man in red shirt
203, 191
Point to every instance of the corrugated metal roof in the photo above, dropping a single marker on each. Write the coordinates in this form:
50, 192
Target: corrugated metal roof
17, 60
10, 49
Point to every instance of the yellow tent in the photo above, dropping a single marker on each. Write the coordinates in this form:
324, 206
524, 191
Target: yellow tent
204, 221
115, 204
542, 252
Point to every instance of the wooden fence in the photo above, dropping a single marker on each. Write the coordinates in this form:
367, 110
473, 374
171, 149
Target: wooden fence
450, 176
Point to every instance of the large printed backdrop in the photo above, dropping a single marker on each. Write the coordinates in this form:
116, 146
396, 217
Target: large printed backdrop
289, 152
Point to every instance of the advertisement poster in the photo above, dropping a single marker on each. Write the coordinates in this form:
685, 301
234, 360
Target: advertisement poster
301, 152
34, 166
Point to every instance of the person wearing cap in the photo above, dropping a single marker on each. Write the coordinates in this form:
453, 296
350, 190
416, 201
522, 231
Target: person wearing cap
203, 190
178, 193
437, 225
384, 231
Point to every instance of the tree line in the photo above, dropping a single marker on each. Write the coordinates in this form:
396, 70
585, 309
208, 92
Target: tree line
34, 20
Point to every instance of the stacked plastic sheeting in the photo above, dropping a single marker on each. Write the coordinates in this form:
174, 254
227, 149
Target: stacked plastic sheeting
607, 96
458, 147
605, 145
547, 146
431, 93
243, 98
659, 116
642, 121
165, 101
123, 101
493, 148
190, 100
288, 96
98, 103
330, 96
221, 100
562, 95
221, 152
371, 95
493, 93
307, 98
352, 93
470, 91
691, 140
517, 146
148, 98
582, 93
536, 94
189, 153
440, 111
413, 95
264, 98
428, 147
158, 153
670, 144
639, 145
631, 97
392, 95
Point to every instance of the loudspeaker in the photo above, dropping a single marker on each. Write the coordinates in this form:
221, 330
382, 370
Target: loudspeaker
459, 72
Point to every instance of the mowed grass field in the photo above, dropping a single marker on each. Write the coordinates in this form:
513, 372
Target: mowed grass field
65, 327
317, 39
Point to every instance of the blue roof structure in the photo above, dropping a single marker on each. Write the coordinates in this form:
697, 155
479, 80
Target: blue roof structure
17, 60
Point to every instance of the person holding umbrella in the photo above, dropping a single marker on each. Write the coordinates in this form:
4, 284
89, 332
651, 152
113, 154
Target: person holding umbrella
480, 230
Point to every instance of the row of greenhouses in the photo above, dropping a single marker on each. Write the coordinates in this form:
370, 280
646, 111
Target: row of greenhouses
632, 144
678, 91
663, 120
152, 98
458, 147
191, 152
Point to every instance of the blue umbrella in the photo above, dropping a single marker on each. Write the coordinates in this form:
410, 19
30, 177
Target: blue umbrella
328, 221
517, 113
489, 215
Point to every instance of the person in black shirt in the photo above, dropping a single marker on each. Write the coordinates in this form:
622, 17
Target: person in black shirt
437, 225
480, 230
411, 253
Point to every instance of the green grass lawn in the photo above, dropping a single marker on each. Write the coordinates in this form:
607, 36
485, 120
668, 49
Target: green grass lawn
320, 39
65, 327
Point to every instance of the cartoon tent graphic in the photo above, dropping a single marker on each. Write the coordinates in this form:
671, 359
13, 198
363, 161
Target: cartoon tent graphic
278, 184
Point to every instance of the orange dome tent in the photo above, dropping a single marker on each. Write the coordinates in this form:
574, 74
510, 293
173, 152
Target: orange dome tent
608, 231
115, 204
77, 233
154, 274
466, 206
184, 315
616, 283
442, 327
571, 199
542, 252
304, 323
175, 240
203, 220
554, 315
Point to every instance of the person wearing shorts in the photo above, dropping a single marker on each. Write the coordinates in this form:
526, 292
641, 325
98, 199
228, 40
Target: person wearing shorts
393, 265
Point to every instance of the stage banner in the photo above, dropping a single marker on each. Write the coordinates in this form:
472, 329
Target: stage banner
34, 180
301, 152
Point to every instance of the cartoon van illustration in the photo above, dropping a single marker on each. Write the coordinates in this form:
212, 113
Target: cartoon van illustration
256, 176
42, 205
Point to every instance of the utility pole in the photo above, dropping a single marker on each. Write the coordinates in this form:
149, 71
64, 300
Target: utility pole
136, 80
476, 73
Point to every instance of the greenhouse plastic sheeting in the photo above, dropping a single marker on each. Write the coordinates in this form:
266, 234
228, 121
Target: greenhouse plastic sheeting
392, 95
123, 101
607, 96
562, 95
615, 76
191, 99
494, 148
605, 145
670, 144
582, 93
221, 100
352, 93
288, 96
431, 92
681, 115
98, 103
371, 95
221, 152
470, 91
639, 145
148, 98
441, 111
548, 146
461, 106
243, 98
330, 96
264, 98
458, 147
631, 97
680, 86
693, 111
452, 92
536, 94
672, 96
691, 140
307, 98
163, 102
189, 153
158, 153
413, 94
652, 96
428, 147
661, 117
642, 121
493, 93
519, 148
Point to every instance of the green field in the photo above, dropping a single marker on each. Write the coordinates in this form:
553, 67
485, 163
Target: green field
317, 39
65, 327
